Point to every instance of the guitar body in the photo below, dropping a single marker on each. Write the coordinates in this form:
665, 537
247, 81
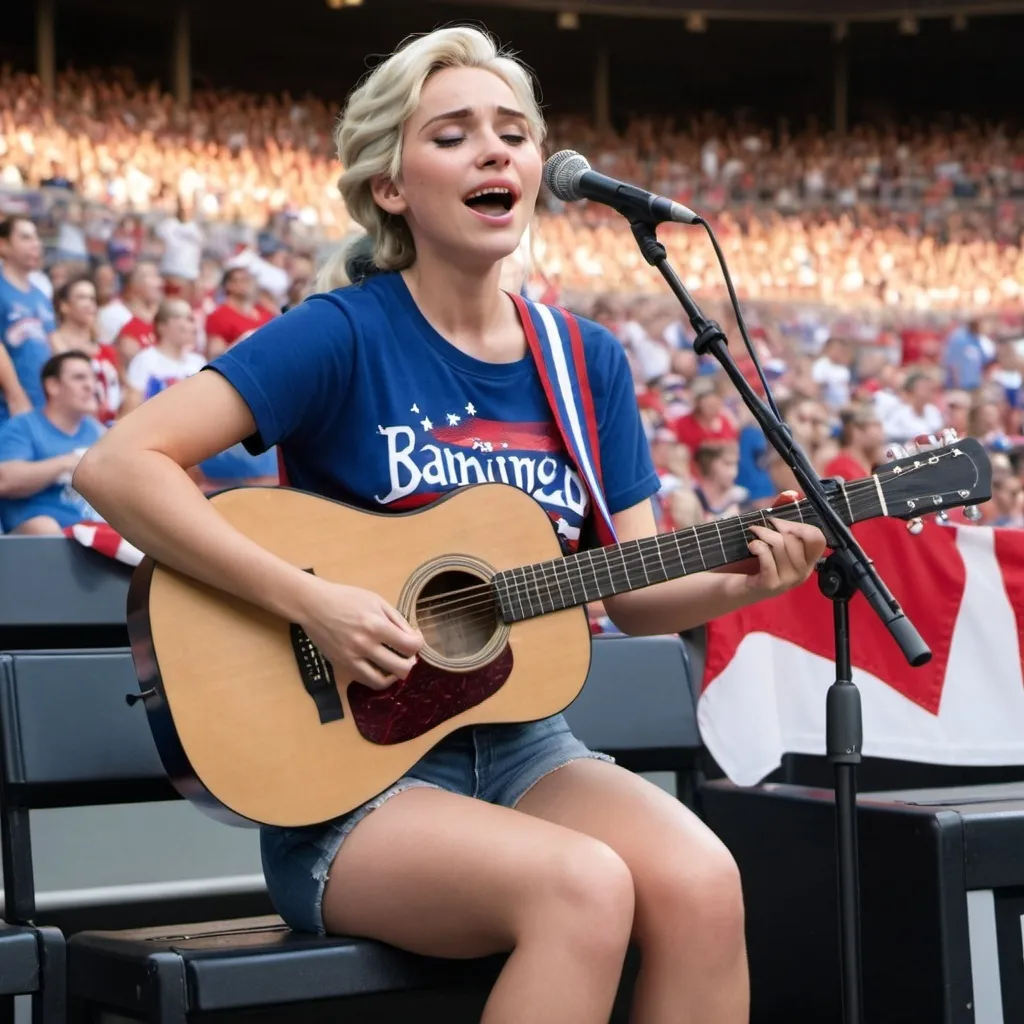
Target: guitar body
248, 722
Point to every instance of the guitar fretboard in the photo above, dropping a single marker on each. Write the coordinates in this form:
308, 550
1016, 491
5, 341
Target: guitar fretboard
592, 575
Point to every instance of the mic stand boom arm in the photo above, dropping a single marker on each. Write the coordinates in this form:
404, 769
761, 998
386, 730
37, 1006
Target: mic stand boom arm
711, 340
845, 571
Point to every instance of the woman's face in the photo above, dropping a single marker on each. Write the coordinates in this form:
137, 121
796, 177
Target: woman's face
466, 135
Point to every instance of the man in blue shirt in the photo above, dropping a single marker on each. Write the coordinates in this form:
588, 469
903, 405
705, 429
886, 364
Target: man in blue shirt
40, 449
965, 357
26, 314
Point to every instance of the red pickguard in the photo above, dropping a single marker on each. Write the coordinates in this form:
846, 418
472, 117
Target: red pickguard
422, 702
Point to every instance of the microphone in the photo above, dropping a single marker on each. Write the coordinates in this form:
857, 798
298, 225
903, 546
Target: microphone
570, 178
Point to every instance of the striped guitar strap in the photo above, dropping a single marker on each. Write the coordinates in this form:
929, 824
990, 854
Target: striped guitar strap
556, 344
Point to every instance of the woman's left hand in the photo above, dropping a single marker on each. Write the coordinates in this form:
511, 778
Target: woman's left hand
785, 556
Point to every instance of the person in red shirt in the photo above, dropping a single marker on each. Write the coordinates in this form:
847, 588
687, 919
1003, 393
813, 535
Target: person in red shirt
863, 441
240, 314
143, 290
709, 421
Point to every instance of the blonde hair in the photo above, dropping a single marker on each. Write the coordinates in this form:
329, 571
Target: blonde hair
369, 137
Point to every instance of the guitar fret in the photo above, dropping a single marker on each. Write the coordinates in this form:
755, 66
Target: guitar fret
700, 550
643, 561
657, 548
721, 542
849, 507
520, 590
583, 578
539, 587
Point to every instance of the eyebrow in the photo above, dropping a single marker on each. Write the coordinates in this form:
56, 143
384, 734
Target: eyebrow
466, 112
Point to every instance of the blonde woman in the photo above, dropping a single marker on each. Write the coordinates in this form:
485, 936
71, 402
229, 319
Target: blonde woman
503, 838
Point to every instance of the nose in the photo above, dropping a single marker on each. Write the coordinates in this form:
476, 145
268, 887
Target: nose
494, 152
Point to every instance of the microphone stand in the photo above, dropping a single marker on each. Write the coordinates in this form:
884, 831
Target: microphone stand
846, 570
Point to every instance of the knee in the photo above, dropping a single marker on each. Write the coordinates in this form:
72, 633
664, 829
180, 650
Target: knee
694, 901
585, 898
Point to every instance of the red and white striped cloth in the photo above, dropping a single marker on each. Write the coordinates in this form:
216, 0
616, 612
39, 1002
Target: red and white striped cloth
106, 540
769, 667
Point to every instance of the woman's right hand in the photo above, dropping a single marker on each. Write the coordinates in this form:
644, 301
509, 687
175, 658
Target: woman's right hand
365, 639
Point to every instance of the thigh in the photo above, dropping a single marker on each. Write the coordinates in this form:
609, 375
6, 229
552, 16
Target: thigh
448, 875
668, 849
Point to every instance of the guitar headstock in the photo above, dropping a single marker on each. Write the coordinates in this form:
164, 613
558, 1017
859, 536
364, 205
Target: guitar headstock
934, 476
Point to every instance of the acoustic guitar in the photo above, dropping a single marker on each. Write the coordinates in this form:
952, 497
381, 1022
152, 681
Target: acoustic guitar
254, 727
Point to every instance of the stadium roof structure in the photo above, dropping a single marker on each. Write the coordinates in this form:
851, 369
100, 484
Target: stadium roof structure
770, 10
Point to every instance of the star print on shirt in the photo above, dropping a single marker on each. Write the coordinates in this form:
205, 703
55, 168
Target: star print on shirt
415, 409
453, 419
471, 409
426, 424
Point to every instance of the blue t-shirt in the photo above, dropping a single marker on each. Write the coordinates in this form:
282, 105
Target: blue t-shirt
31, 437
964, 360
26, 323
372, 406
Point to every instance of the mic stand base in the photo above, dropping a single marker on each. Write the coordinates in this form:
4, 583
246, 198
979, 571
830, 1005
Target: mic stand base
843, 741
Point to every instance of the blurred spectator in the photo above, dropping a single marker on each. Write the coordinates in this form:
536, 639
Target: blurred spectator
917, 414
1007, 505
40, 449
77, 331
26, 315
239, 315
964, 358
170, 359
112, 313
863, 444
709, 420
143, 291
716, 488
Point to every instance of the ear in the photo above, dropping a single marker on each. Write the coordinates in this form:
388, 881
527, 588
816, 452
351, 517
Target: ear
387, 195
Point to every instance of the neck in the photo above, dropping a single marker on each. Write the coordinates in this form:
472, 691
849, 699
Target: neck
463, 305
61, 418
245, 306
592, 575
142, 310
714, 491
17, 276
171, 350
858, 456
76, 335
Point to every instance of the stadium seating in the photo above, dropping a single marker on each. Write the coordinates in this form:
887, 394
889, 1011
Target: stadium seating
71, 740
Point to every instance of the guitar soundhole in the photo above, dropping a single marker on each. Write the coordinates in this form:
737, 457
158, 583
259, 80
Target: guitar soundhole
457, 615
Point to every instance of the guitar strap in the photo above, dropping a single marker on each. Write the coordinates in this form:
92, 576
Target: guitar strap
553, 335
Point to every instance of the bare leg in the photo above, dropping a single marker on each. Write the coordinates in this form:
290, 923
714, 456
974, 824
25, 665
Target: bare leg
689, 904
38, 526
447, 875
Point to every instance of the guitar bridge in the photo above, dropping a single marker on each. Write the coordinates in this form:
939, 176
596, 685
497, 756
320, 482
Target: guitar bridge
317, 675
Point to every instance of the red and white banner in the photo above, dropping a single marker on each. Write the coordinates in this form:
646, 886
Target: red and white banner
769, 667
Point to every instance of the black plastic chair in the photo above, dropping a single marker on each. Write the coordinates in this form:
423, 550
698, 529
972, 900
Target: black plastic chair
70, 739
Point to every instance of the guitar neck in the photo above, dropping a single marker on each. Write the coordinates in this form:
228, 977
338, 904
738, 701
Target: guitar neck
592, 575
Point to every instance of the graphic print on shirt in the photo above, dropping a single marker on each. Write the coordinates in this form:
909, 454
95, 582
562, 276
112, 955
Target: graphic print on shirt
443, 448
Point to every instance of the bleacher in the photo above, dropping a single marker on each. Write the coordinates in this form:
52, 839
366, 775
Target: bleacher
942, 876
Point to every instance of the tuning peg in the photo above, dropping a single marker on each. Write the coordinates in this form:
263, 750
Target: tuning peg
894, 452
972, 513
942, 517
924, 442
949, 435
915, 526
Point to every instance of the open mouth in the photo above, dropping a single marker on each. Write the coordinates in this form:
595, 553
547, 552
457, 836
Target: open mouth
493, 201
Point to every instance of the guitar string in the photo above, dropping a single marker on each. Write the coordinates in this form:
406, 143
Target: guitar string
686, 545
687, 538
728, 530
691, 539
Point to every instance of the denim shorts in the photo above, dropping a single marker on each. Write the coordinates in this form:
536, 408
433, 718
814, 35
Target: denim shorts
494, 763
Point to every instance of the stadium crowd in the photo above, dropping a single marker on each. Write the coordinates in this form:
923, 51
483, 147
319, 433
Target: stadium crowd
881, 274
